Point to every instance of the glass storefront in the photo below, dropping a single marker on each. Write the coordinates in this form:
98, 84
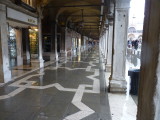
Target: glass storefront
12, 47
33, 37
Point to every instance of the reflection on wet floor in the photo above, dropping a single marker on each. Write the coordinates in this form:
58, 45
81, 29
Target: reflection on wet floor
133, 58
124, 106
65, 90
133, 62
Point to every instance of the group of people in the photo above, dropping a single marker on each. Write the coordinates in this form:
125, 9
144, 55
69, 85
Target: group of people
134, 44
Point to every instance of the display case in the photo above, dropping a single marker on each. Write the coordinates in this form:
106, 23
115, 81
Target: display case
33, 37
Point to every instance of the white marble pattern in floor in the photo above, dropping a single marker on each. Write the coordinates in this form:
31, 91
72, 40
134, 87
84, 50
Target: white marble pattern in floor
84, 109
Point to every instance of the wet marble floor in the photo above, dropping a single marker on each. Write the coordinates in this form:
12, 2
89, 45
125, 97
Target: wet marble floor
124, 106
71, 89
133, 61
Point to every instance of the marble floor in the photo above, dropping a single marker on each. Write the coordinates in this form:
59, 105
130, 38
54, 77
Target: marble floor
71, 89
124, 106
133, 62
21, 70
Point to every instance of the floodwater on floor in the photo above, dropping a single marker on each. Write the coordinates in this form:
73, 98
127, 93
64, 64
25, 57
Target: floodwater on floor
71, 89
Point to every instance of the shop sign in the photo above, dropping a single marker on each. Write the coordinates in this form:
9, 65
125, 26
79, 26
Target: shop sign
17, 15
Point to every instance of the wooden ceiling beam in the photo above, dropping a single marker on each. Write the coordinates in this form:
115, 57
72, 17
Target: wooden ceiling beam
53, 6
83, 15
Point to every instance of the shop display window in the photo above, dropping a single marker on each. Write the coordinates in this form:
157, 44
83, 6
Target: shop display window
33, 37
12, 47
12, 43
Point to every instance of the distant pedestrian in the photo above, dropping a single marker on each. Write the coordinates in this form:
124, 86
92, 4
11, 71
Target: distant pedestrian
136, 44
133, 44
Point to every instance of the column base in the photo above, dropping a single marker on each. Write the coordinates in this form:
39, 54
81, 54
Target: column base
7, 76
118, 86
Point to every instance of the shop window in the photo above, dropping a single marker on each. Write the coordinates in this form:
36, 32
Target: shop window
33, 37
12, 46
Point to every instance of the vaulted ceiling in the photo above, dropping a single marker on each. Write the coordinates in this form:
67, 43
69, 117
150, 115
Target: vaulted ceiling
85, 16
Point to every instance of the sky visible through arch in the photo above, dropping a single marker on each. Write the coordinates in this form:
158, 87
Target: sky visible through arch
136, 14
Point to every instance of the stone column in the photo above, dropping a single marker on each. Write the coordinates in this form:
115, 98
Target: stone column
5, 72
84, 42
100, 43
62, 43
41, 61
106, 43
110, 40
110, 36
118, 82
149, 85
55, 38
65, 49
103, 44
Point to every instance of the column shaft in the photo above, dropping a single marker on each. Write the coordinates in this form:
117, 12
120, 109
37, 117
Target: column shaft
5, 72
110, 41
118, 83
55, 37
40, 39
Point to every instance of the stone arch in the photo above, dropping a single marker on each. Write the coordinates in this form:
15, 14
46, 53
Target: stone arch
131, 36
131, 30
